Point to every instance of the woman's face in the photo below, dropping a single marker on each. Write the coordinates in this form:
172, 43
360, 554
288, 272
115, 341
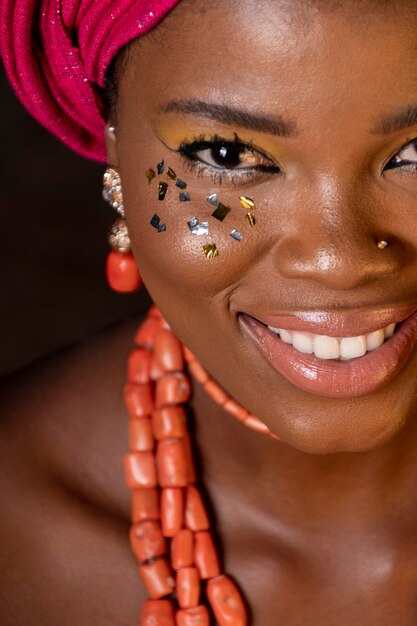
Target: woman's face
310, 112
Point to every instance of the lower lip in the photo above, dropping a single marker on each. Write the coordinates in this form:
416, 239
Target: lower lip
336, 379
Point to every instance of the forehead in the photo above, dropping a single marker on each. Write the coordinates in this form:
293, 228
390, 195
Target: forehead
265, 53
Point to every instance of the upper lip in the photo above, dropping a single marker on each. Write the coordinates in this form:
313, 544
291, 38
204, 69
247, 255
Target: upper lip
338, 323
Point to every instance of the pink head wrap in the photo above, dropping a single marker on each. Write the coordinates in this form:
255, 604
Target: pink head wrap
56, 53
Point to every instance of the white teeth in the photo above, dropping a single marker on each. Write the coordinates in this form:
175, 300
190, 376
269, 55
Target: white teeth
303, 343
324, 347
352, 347
286, 336
389, 331
374, 340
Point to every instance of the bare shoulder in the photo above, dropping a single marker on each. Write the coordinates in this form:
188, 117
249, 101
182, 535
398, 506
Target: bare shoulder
65, 508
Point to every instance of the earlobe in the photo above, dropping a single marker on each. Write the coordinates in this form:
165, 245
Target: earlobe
110, 140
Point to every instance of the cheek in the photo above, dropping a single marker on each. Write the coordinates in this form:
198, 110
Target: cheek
176, 263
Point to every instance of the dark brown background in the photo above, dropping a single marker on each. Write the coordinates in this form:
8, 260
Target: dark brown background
54, 227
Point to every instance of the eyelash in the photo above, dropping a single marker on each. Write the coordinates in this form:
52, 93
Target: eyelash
237, 176
392, 164
219, 175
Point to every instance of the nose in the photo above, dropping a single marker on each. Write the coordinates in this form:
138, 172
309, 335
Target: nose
335, 243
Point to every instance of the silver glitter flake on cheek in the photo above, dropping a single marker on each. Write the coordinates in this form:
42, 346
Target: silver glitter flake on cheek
198, 228
161, 167
236, 234
156, 223
213, 199
184, 196
180, 184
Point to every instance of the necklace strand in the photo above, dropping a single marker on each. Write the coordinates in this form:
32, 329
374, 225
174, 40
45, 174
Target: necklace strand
170, 533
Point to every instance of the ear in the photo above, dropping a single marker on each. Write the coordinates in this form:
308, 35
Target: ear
110, 141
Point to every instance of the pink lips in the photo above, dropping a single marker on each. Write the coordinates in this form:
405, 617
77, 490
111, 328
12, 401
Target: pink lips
337, 379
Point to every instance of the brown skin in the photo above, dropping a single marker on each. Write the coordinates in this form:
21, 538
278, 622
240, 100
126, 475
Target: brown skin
318, 530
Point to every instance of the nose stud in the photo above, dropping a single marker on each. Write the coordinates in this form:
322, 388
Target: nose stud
382, 244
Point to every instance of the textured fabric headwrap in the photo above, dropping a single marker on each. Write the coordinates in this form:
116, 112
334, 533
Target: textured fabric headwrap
56, 53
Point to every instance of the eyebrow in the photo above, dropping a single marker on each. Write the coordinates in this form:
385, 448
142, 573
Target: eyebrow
274, 125
398, 120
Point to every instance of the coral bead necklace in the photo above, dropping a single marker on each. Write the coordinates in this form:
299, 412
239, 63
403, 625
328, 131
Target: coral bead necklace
170, 533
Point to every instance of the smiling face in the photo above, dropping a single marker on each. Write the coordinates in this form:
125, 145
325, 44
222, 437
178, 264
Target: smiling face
307, 111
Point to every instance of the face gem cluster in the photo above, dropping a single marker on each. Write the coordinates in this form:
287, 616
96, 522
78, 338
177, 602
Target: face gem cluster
196, 228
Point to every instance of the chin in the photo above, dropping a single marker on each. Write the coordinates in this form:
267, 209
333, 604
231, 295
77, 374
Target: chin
317, 425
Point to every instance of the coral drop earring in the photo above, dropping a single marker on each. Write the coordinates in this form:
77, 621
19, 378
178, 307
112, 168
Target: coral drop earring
121, 272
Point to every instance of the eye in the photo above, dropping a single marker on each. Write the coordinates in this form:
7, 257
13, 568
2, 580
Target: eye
219, 154
405, 158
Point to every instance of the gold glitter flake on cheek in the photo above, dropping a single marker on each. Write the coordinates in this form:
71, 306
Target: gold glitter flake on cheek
150, 175
162, 190
247, 203
171, 174
250, 219
210, 251
221, 212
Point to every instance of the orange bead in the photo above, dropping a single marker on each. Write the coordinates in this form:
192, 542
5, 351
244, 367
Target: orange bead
256, 424
140, 470
172, 389
147, 540
171, 463
198, 616
198, 371
182, 549
169, 422
153, 311
138, 366
226, 602
188, 587
168, 352
216, 392
157, 613
145, 505
138, 400
172, 511
188, 355
196, 517
274, 436
140, 435
205, 555
236, 410
156, 371
157, 578
147, 331
122, 273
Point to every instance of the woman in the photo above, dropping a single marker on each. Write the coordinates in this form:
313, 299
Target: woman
300, 118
